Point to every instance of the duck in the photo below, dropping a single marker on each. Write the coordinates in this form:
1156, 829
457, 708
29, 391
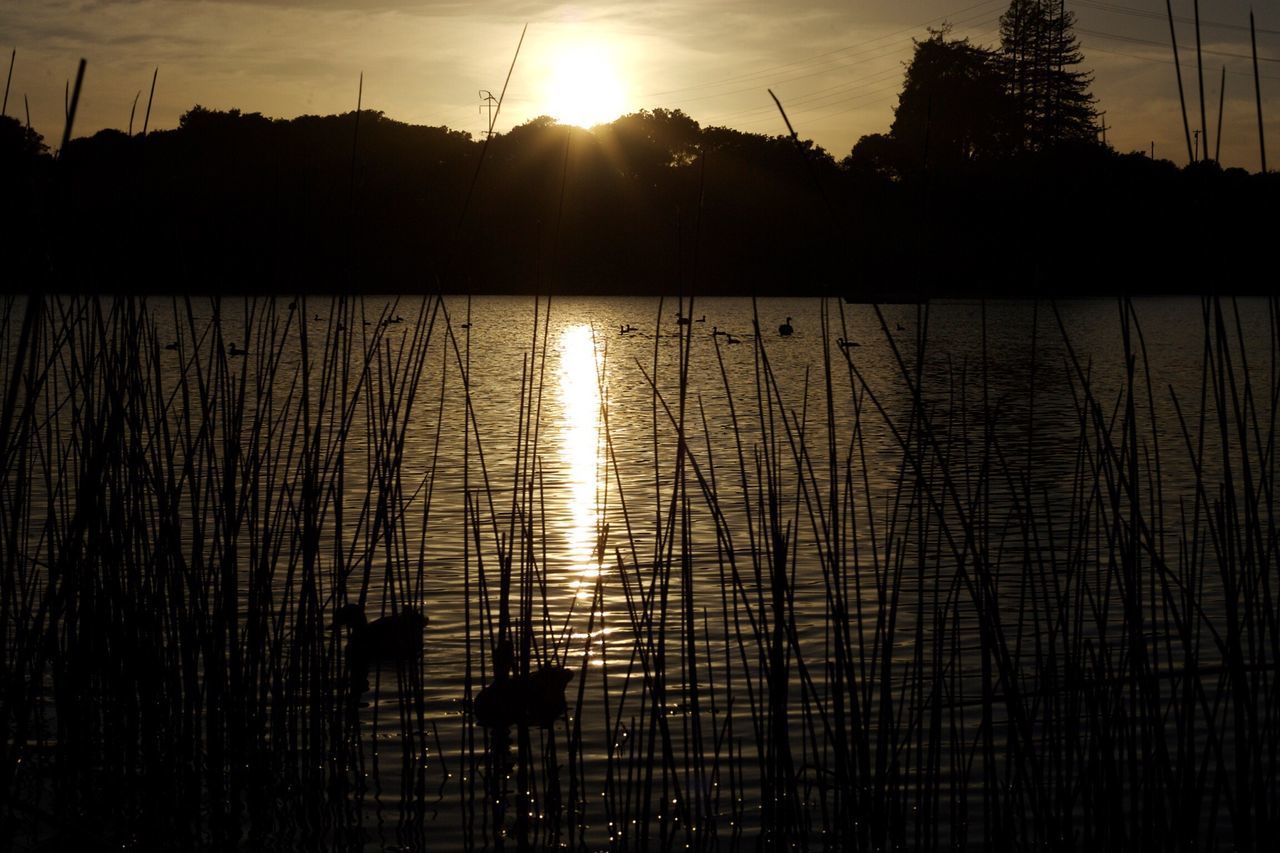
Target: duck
536, 699
730, 339
396, 638
701, 319
846, 344
682, 321
715, 330
785, 329
172, 346
901, 328
233, 350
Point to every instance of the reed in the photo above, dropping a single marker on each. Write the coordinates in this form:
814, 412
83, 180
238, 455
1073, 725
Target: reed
842, 606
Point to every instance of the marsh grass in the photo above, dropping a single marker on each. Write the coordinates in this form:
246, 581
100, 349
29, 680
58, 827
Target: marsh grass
872, 616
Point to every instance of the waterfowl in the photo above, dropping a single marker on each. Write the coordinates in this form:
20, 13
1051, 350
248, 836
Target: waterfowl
536, 699
394, 638
701, 319
846, 344
233, 350
785, 329
901, 328
172, 346
730, 339
715, 330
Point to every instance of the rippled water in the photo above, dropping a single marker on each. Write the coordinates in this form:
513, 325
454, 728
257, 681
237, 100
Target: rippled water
570, 463
590, 362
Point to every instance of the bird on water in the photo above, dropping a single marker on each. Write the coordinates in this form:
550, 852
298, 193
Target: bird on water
785, 329
396, 638
536, 699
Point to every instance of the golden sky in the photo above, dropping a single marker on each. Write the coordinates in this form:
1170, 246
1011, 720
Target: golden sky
836, 64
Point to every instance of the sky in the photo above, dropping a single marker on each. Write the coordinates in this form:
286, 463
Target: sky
836, 65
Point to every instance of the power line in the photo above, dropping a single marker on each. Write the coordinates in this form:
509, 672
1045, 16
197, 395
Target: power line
1136, 40
1159, 16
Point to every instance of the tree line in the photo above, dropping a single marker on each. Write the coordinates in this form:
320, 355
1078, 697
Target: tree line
992, 167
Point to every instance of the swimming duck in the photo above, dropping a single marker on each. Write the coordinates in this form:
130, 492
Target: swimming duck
785, 329
233, 350
536, 699
846, 344
172, 346
393, 638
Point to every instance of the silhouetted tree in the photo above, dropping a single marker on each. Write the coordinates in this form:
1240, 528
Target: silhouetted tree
1041, 59
17, 141
954, 108
873, 154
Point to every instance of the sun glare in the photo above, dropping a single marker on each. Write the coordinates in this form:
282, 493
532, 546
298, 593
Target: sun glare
583, 87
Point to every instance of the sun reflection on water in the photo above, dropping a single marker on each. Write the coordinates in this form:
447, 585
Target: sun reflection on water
581, 366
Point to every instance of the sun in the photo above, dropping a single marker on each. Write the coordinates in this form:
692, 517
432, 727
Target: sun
583, 87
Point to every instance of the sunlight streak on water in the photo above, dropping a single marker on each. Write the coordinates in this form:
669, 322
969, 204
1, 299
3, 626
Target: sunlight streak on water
579, 386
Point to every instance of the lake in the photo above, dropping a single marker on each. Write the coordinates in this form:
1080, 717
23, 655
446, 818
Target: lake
958, 574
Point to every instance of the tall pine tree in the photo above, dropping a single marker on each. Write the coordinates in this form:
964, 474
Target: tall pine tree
1041, 58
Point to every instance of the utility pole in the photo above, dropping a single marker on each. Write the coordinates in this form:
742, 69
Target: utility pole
487, 102
1257, 92
1102, 126
1217, 137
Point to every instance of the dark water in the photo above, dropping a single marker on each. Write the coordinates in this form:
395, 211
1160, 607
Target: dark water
815, 538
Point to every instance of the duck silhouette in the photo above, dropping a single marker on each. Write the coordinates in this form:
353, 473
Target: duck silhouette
172, 346
536, 699
391, 639
847, 344
785, 329
233, 350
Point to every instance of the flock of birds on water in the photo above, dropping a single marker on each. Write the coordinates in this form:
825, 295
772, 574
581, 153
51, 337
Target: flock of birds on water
785, 330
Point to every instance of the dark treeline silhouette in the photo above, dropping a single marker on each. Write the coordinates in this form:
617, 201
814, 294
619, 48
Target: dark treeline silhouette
990, 181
